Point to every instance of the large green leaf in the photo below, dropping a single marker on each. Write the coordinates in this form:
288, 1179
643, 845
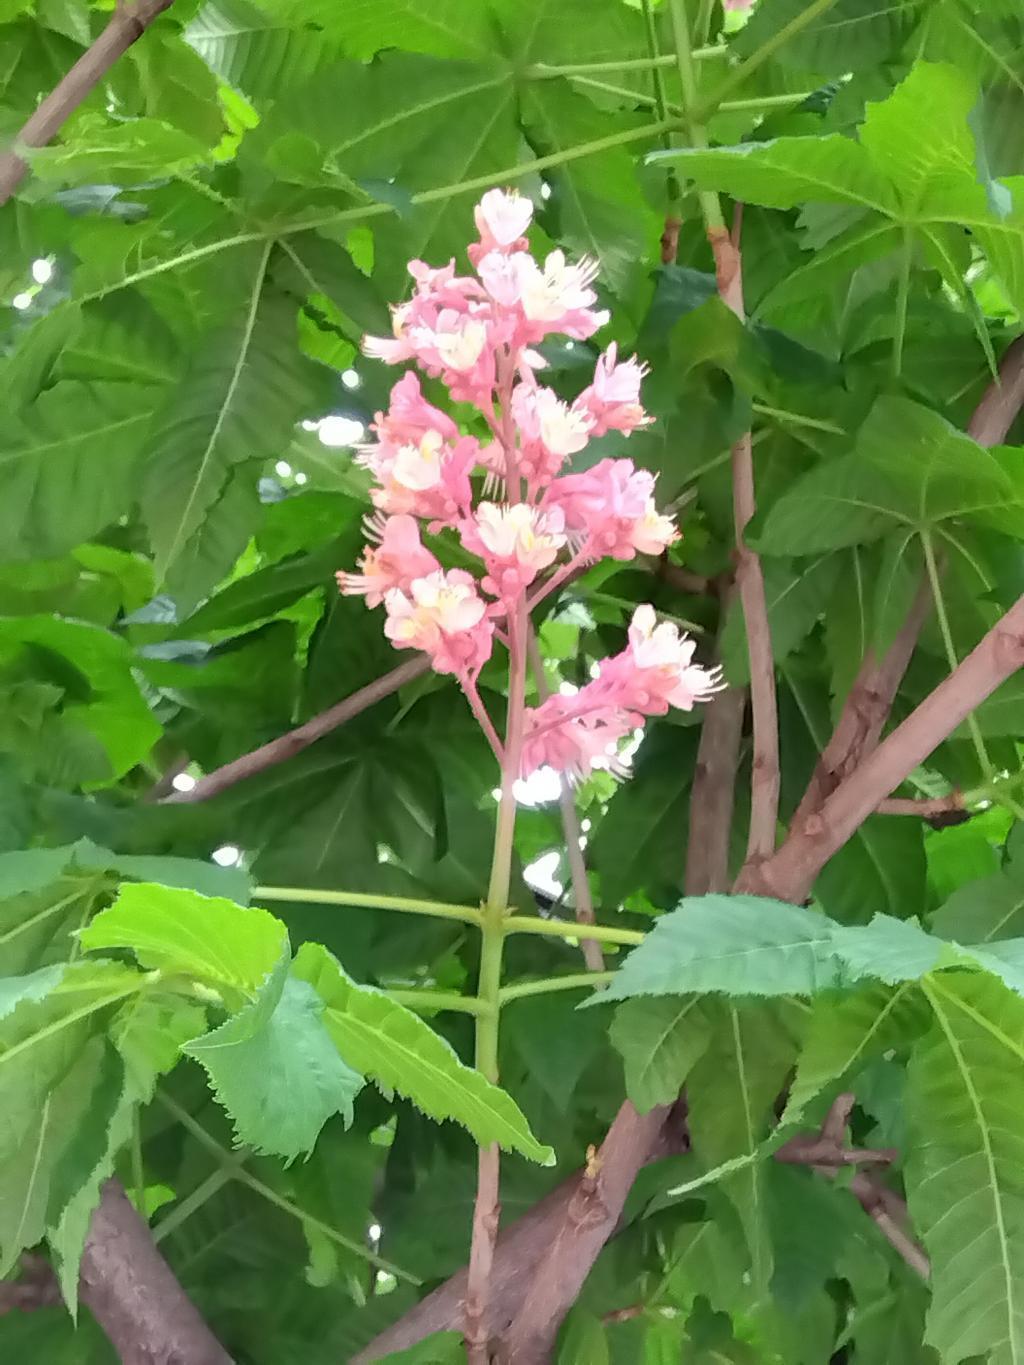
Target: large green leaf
851, 35
245, 388
395, 1048
173, 930
69, 465
965, 1174
259, 52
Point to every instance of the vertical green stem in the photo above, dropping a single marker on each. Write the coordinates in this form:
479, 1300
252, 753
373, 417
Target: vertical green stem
709, 202
673, 188
902, 303
951, 654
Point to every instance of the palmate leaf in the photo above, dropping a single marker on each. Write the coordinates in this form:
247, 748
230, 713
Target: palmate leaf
236, 406
851, 35
177, 931
908, 468
965, 1170
396, 1049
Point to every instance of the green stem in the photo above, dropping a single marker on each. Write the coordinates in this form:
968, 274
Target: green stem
203, 1192
557, 928
547, 985
304, 895
138, 1167
673, 187
951, 654
710, 205
230, 1161
543, 72
767, 49
439, 1000
797, 419
902, 301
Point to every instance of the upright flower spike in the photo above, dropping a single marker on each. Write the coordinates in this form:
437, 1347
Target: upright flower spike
477, 334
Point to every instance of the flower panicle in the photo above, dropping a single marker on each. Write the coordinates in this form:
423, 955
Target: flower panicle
536, 518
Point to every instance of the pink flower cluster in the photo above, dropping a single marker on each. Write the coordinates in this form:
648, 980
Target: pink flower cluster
477, 334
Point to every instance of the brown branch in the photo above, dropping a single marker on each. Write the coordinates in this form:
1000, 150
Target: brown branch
865, 711
683, 580
825, 1153
1002, 400
765, 778
589, 1218
790, 873
924, 807
127, 25
287, 746
486, 1214
520, 1247
134, 1295
714, 787
889, 1212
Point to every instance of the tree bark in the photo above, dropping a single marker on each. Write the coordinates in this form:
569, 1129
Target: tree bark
134, 1295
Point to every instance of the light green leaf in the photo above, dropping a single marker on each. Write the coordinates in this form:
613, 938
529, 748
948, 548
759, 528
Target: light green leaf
887, 949
744, 945
788, 172
276, 1071
850, 35
257, 51
983, 911
659, 1042
129, 153
397, 1050
965, 1169
173, 930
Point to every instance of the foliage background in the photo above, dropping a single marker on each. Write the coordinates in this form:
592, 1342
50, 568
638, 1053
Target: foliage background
225, 217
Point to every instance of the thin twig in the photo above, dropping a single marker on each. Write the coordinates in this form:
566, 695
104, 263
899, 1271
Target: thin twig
923, 807
765, 777
584, 903
287, 746
127, 25
713, 792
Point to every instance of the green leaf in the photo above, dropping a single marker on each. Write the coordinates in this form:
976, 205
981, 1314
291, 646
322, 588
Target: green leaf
130, 153
276, 1071
851, 35
796, 594
96, 668
236, 406
788, 172
964, 1173
397, 1050
983, 911
173, 930
69, 465
844, 1034
49, 1066
731, 1092
659, 1042
743, 945
259, 53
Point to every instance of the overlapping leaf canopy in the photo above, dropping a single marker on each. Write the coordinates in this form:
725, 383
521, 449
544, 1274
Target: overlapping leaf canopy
217, 224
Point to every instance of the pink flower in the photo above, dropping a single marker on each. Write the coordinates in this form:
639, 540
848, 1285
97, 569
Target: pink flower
573, 734
502, 217
429, 479
515, 542
555, 298
656, 669
410, 416
394, 563
611, 508
613, 400
443, 615
549, 431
